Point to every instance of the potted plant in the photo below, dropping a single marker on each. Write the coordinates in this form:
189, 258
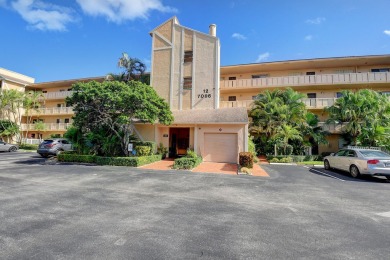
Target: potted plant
162, 150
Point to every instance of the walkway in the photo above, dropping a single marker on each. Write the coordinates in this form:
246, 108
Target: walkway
207, 167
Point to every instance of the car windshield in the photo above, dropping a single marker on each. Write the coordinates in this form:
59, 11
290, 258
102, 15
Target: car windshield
373, 153
48, 141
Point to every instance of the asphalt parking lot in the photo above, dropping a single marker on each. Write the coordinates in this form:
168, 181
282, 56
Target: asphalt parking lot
98, 212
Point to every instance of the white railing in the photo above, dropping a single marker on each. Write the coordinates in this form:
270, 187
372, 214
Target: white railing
52, 111
322, 79
238, 103
318, 102
309, 102
31, 141
48, 126
57, 94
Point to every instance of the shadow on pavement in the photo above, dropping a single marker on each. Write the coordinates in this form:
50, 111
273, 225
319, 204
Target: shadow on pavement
346, 177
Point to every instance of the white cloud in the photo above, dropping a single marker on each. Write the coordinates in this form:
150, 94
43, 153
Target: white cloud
3, 3
262, 57
43, 16
387, 32
308, 37
238, 36
120, 10
317, 20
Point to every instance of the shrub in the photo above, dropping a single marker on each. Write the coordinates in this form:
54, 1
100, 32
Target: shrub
252, 149
286, 160
72, 157
116, 161
187, 163
161, 149
151, 145
142, 150
28, 146
191, 154
274, 160
246, 159
296, 158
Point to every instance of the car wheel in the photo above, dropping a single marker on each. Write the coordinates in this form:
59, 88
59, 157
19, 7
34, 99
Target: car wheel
326, 165
44, 155
354, 171
12, 149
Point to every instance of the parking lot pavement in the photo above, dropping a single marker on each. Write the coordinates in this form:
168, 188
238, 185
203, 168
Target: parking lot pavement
96, 212
16, 159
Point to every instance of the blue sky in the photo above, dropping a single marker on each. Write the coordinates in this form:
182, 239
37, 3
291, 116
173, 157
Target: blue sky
67, 39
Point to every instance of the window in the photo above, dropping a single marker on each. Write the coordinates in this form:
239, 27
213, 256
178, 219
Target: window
62, 90
188, 55
58, 121
44, 91
311, 95
232, 78
339, 94
66, 121
187, 83
69, 89
310, 73
65, 142
380, 70
232, 98
260, 76
341, 153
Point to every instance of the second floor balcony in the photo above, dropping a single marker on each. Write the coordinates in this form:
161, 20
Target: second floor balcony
51, 111
307, 80
47, 127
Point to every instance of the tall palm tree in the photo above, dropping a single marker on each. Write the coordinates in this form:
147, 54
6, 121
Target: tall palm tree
133, 69
287, 133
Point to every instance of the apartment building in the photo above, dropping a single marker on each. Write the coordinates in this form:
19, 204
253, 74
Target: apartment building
210, 102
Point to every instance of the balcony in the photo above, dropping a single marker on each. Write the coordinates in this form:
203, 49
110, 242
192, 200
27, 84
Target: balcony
57, 95
311, 103
48, 127
331, 128
307, 80
52, 111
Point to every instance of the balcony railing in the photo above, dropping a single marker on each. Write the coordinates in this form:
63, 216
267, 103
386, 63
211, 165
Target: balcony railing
51, 111
322, 79
332, 128
48, 126
310, 103
57, 95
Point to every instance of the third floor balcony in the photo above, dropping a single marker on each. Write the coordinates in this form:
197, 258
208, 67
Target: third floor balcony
307, 80
57, 95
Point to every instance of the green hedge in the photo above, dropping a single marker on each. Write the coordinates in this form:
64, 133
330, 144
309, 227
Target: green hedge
152, 145
28, 146
296, 158
187, 163
72, 157
115, 161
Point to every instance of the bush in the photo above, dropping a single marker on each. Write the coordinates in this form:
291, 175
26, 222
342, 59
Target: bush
128, 161
286, 160
274, 160
142, 150
191, 154
252, 149
246, 170
115, 161
28, 146
246, 159
295, 158
187, 163
161, 149
72, 157
151, 145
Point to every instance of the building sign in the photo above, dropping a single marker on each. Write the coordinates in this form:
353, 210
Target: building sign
205, 94
130, 147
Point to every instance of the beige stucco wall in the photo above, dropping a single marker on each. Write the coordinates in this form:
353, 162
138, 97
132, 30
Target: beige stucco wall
161, 73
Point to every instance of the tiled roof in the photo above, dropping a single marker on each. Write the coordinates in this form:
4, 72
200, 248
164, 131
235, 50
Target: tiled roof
238, 115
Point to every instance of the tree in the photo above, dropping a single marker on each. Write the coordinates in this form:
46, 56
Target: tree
287, 133
132, 69
39, 126
113, 107
8, 129
11, 108
280, 110
31, 102
361, 115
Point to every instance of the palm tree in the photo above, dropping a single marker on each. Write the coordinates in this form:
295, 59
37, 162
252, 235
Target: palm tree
362, 111
133, 69
287, 133
31, 103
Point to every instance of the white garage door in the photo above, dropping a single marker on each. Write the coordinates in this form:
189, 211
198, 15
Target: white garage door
220, 148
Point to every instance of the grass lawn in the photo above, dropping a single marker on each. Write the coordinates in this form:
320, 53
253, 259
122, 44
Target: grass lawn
311, 163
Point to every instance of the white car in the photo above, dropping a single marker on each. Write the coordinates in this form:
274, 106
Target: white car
5, 147
360, 162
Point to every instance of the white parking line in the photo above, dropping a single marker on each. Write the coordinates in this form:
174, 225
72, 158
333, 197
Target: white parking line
324, 173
